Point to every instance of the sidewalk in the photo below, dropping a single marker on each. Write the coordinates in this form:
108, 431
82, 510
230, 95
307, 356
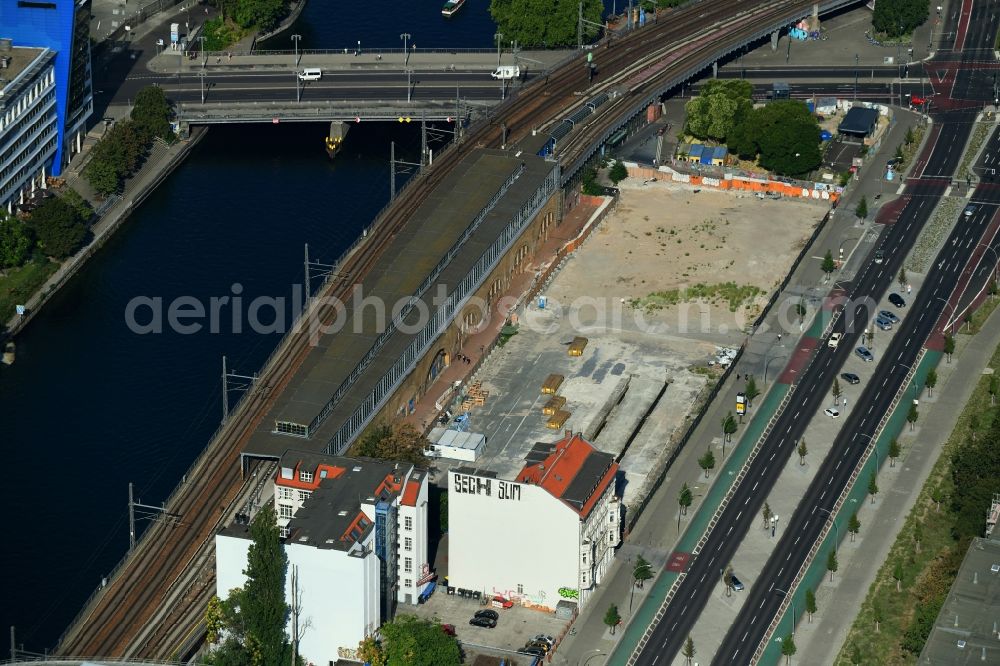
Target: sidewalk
839, 602
655, 535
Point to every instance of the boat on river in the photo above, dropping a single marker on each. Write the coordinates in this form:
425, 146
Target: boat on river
451, 7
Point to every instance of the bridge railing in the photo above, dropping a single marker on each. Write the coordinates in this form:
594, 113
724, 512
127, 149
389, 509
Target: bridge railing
346, 51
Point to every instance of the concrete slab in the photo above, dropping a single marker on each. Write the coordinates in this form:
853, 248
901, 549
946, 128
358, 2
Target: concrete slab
626, 417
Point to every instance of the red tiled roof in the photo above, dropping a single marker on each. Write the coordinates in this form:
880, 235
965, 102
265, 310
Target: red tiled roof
332, 472
410, 493
562, 467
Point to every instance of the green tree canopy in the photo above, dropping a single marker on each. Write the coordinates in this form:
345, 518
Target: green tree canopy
618, 172
899, 17
719, 107
263, 15
15, 241
546, 23
783, 135
151, 111
58, 227
400, 442
412, 641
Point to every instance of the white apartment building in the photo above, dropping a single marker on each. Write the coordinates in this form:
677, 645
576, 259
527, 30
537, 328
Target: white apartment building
29, 124
355, 532
546, 536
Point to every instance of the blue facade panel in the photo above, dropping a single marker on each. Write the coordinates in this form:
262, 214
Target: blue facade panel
50, 24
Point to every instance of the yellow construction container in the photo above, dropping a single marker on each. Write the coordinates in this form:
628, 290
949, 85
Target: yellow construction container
554, 404
577, 346
552, 384
558, 420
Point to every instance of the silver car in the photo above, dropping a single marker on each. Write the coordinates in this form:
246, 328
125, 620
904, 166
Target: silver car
864, 354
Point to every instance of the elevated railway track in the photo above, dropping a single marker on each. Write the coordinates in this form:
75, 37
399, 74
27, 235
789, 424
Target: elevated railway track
131, 616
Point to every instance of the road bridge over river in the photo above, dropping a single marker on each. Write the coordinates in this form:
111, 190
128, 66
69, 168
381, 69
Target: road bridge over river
152, 605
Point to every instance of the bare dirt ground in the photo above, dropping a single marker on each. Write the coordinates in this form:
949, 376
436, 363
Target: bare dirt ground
702, 263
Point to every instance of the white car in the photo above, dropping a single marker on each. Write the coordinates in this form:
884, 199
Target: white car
832, 413
834, 340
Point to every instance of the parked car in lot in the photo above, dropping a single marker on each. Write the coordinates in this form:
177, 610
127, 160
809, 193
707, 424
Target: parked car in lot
538, 652
897, 300
864, 354
544, 647
850, 378
543, 638
883, 323
832, 413
501, 602
487, 622
834, 340
492, 614
891, 316
737, 583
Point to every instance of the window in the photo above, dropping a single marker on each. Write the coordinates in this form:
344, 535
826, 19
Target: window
306, 477
408, 582
520, 588
283, 530
408, 523
284, 511
408, 565
408, 543
304, 495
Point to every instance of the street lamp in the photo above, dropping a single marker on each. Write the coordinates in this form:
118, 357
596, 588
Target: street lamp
204, 59
359, 47
791, 602
874, 443
950, 323
296, 38
767, 362
774, 525
499, 38
406, 54
856, 61
836, 544
409, 88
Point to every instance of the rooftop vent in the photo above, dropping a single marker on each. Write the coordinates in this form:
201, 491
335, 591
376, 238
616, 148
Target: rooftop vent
357, 468
961, 645
341, 513
303, 539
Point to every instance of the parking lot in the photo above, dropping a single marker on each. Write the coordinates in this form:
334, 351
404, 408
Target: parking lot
514, 628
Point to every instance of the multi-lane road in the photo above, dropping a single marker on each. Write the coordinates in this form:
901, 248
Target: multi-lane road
925, 187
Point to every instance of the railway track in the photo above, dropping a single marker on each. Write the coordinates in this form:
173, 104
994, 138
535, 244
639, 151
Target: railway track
109, 625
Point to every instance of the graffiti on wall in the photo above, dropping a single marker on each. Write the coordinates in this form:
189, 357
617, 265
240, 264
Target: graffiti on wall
569, 593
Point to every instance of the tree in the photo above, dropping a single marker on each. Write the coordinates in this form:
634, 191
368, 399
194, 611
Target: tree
720, 105
688, 650
800, 309
855, 655
897, 575
854, 525
707, 462
15, 241
728, 428
949, 346
371, 652
264, 15
214, 620
994, 387
872, 487
151, 112
810, 603
829, 265
84, 211
751, 391
930, 381
543, 23
783, 136
901, 278
918, 535
861, 210
896, 18
878, 614
912, 415
802, 451
937, 496
412, 640
618, 172
831, 563
766, 514
836, 392
103, 174
265, 610
642, 571
788, 648
894, 451
57, 227
611, 618
684, 500
401, 442
727, 580
910, 137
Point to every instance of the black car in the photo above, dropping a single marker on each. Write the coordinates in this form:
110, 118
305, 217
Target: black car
850, 378
538, 652
492, 614
487, 622
897, 300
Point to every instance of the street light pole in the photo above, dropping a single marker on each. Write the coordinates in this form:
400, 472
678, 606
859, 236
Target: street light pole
204, 60
856, 60
774, 525
408, 86
836, 544
498, 37
406, 53
296, 38
791, 603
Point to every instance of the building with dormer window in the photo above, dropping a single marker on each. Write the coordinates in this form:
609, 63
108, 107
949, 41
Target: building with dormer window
545, 536
355, 532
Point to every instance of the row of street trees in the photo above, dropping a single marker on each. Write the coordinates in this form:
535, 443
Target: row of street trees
896, 18
782, 136
121, 151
